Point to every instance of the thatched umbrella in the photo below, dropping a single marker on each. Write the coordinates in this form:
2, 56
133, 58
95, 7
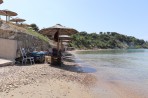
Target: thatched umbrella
1, 1
7, 13
57, 30
17, 20
62, 38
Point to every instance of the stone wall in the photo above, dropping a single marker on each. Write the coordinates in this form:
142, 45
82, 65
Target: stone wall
24, 40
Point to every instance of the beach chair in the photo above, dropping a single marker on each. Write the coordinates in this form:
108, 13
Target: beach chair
25, 58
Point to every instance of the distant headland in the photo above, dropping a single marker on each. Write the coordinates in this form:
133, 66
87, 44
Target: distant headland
106, 40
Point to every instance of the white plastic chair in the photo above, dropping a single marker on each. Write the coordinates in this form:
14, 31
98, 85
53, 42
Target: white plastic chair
25, 58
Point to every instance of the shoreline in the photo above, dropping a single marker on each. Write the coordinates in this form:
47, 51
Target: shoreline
79, 50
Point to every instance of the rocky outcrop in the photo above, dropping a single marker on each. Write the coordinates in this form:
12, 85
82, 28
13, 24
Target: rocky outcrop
24, 40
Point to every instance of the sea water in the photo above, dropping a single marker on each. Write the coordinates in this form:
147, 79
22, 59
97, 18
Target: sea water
128, 66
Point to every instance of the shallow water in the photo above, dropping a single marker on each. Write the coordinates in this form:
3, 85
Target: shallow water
128, 67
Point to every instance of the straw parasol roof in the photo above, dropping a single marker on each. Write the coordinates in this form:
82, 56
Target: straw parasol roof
7, 13
17, 20
1, 1
66, 41
58, 27
64, 37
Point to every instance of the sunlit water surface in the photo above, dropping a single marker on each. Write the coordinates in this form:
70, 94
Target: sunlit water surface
129, 67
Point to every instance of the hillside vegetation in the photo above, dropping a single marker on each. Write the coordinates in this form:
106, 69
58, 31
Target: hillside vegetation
38, 35
107, 40
22, 28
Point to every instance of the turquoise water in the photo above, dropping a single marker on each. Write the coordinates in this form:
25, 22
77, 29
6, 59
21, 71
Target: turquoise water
126, 66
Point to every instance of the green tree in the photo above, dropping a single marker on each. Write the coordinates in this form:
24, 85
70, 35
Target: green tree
108, 33
35, 27
101, 33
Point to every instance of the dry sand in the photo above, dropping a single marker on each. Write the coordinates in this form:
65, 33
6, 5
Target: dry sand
53, 88
44, 81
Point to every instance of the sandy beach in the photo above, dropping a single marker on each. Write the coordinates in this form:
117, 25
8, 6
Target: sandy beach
68, 81
44, 81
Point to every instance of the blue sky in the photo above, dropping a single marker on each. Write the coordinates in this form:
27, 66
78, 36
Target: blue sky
129, 17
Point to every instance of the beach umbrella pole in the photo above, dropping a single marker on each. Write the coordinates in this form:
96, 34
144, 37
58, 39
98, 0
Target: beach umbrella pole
58, 41
6, 18
61, 45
